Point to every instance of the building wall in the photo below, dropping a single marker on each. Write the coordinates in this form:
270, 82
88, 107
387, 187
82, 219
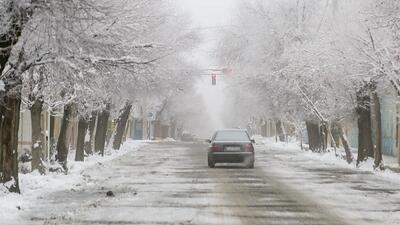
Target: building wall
25, 131
390, 127
388, 111
352, 133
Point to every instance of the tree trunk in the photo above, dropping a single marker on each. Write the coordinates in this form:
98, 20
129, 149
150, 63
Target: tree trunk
80, 144
279, 130
38, 155
314, 136
324, 136
343, 138
125, 137
9, 142
101, 130
51, 132
301, 139
284, 133
121, 125
1, 133
18, 17
335, 134
63, 138
52, 138
92, 125
378, 162
157, 130
264, 129
173, 129
365, 146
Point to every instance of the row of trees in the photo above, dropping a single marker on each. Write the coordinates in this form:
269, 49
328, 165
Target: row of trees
322, 62
85, 60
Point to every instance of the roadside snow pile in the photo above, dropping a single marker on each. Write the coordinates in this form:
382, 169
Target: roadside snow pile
34, 184
330, 158
257, 137
270, 142
168, 140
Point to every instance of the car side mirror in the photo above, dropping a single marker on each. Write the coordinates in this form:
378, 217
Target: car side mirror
253, 141
208, 140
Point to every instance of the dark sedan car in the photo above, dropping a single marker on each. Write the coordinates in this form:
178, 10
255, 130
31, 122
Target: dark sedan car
231, 146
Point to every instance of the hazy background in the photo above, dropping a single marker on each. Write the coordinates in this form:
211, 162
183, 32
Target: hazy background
209, 17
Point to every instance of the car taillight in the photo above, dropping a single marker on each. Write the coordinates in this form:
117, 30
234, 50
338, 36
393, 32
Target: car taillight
249, 148
216, 148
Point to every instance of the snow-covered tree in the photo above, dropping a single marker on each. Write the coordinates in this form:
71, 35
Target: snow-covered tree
83, 59
314, 61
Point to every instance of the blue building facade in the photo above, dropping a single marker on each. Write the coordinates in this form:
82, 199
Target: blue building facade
389, 120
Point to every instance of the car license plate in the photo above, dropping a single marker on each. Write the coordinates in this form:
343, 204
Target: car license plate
232, 148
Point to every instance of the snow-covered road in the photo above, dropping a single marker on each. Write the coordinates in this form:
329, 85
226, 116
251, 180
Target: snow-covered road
170, 183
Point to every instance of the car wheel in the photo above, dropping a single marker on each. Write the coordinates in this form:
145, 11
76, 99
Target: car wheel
211, 164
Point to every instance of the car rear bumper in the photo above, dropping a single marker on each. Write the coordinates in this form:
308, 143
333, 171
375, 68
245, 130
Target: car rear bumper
231, 157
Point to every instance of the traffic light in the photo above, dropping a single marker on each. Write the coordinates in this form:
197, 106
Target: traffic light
213, 79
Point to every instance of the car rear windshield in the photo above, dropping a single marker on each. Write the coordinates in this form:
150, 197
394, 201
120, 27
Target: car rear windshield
231, 136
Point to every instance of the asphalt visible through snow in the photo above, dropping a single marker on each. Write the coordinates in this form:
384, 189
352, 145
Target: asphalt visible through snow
170, 183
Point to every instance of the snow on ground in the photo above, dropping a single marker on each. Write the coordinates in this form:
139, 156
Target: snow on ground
360, 194
331, 158
172, 181
33, 184
169, 140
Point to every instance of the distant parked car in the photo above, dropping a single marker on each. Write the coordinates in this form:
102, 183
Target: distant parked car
187, 137
231, 146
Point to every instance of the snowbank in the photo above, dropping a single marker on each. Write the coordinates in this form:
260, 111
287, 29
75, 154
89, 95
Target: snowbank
34, 185
330, 158
168, 140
